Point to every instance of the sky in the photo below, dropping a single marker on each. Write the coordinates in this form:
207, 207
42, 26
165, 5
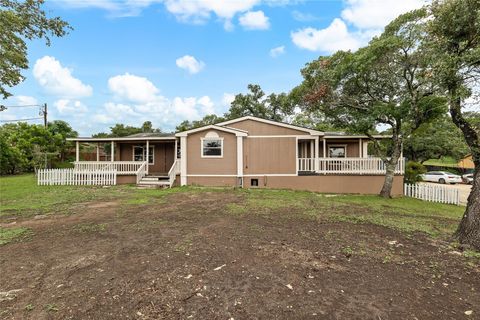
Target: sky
165, 61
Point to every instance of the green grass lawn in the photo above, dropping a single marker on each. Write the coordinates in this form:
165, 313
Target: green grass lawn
442, 162
20, 197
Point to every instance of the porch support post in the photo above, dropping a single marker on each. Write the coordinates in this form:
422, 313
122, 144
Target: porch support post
77, 151
112, 151
324, 148
175, 152
98, 152
240, 157
365, 149
360, 153
317, 146
183, 164
148, 154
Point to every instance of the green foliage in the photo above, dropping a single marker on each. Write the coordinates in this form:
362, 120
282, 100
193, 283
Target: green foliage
435, 140
454, 44
256, 103
413, 170
25, 146
21, 21
121, 130
386, 83
207, 120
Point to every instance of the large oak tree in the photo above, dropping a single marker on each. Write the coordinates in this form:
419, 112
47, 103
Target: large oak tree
386, 83
454, 44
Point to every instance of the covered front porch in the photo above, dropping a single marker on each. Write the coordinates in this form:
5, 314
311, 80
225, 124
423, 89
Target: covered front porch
141, 160
340, 154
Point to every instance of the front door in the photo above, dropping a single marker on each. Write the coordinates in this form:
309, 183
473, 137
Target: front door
164, 157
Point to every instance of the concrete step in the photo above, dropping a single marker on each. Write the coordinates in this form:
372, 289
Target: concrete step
155, 178
154, 182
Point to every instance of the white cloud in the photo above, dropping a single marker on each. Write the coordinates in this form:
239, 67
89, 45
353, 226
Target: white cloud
119, 110
206, 104
334, 37
103, 118
190, 63
58, 80
365, 19
303, 17
185, 107
228, 99
115, 8
376, 14
137, 100
200, 11
66, 106
25, 100
275, 52
254, 20
132, 88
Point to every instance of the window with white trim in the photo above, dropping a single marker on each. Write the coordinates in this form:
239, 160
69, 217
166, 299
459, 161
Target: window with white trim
140, 154
337, 151
212, 147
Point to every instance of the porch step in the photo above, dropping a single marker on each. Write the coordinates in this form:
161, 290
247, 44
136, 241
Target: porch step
154, 178
154, 181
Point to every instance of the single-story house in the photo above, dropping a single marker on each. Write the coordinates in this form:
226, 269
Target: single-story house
247, 152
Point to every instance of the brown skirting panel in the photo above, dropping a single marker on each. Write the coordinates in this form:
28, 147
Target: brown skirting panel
213, 181
126, 179
321, 183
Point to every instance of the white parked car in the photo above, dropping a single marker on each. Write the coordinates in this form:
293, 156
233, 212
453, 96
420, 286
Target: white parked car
468, 178
441, 177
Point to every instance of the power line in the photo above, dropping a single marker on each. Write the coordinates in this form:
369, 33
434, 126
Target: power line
43, 112
18, 120
23, 106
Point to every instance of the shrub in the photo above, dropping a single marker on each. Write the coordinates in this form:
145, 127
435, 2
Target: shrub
413, 170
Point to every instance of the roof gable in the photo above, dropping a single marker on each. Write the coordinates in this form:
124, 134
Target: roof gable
271, 122
237, 132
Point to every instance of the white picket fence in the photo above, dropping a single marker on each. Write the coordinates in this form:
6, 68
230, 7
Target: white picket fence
433, 193
74, 177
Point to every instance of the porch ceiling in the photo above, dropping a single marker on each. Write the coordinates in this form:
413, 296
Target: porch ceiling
122, 139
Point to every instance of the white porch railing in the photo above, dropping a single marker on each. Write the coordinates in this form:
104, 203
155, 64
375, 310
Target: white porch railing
141, 171
373, 166
306, 164
172, 173
433, 193
74, 177
122, 167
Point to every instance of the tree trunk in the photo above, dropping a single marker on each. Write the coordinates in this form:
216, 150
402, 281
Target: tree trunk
391, 164
468, 231
386, 191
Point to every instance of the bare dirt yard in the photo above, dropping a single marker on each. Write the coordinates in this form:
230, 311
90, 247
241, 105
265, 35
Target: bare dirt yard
230, 254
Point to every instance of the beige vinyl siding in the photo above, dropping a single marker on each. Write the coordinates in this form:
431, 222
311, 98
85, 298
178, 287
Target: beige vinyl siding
257, 128
269, 155
211, 166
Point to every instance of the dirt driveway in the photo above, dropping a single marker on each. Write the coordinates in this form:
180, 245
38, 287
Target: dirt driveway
464, 190
191, 258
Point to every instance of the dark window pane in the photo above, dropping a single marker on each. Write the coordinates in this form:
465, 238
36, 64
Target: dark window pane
212, 147
337, 152
212, 143
212, 151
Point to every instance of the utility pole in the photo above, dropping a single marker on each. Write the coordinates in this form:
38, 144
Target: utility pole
44, 113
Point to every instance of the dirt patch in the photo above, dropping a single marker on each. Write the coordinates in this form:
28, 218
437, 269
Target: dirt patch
190, 258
